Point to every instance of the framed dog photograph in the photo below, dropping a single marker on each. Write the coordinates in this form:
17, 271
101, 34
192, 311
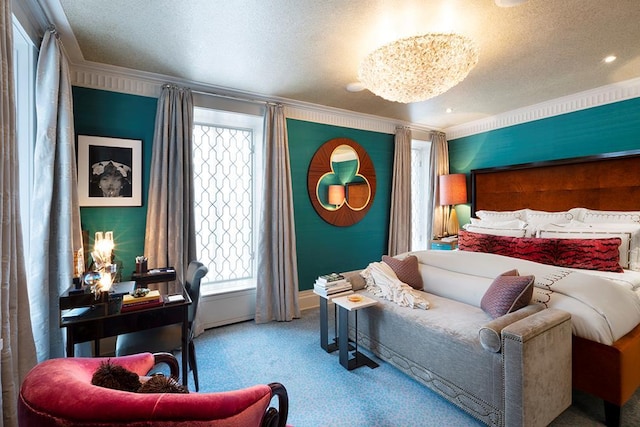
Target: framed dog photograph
109, 171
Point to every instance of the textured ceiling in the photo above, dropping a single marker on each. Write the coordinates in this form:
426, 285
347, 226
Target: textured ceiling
309, 50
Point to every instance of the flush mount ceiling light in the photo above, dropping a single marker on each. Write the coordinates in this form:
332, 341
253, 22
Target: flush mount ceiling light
417, 68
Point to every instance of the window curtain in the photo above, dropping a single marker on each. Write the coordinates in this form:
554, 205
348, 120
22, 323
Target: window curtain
17, 354
170, 237
400, 215
439, 166
277, 285
55, 216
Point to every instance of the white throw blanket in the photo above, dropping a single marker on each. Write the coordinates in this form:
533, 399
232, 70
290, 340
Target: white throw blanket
382, 281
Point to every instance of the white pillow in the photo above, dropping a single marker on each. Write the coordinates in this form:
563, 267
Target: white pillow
510, 232
500, 215
619, 217
543, 217
513, 223
561, 232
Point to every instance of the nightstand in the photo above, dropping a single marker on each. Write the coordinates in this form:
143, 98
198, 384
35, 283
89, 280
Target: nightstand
446, 244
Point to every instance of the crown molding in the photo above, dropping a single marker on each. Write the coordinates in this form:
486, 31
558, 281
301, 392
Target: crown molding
134, 82
124, 80
603, 95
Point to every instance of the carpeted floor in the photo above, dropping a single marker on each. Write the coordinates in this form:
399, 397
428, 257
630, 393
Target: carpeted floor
322, 393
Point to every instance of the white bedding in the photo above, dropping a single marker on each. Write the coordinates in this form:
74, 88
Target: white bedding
601, 309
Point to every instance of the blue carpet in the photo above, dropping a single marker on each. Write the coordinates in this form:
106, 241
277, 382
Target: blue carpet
322, 393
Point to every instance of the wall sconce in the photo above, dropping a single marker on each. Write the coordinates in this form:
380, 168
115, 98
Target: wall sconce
336, 195
453, 191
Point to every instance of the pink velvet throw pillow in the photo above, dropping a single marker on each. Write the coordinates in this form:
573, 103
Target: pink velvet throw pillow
508, 292
406, 269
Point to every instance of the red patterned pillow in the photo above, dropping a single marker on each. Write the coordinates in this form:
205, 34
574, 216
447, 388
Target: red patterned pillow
479, 242
589, 254
508, 292
406, 269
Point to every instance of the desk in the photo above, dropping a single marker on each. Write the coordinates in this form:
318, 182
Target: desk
103, 322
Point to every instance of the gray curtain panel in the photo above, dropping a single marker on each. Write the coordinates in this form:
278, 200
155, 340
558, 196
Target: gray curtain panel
17, 352
55, 214
170, 237
400, 215
436, 225
277, 287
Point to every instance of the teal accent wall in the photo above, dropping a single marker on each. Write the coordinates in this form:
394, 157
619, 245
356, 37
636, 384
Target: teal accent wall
116, 115
324, 248
605, 129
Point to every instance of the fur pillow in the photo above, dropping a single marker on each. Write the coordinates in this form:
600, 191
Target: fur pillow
508, 292
162, 384
406, 269
110, 375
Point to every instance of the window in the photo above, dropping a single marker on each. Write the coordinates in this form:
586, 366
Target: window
420, 184
24, 63
227, 184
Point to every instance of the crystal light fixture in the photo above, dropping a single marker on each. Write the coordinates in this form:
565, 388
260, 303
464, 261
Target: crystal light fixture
417, 68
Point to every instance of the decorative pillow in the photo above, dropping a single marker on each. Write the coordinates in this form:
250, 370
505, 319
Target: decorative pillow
512, 232
162, 384
500, 215
620, 217
507, 294
406, 269
588, 232
589, 254
110, 375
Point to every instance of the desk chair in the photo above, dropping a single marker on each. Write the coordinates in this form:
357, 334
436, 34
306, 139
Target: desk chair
169, 338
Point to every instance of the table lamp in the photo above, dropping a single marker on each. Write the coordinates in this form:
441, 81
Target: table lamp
453, 191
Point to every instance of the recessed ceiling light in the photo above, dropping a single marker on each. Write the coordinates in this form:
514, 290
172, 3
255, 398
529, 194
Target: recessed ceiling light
355, 87
609, 59
449, 110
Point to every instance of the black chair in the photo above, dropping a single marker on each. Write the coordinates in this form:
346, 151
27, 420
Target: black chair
169, 338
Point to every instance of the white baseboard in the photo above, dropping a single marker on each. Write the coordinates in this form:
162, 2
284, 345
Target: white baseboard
308, 300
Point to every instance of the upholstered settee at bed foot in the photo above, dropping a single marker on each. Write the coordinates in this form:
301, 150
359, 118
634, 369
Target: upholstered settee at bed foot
514, 370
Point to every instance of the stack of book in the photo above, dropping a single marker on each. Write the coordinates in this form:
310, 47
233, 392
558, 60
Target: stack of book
332, 285
131, 303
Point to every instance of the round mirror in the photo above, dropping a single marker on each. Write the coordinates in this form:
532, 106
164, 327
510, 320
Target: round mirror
341, 182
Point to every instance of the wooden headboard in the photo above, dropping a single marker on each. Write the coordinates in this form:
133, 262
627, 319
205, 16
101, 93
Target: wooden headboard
604, 182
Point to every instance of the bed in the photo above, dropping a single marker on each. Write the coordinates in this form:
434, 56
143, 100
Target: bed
603, 186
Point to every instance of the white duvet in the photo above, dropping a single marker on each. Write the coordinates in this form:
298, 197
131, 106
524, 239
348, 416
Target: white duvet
601, 310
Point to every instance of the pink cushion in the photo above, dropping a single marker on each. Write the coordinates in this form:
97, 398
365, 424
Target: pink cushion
406, 269
508, 292
588, 254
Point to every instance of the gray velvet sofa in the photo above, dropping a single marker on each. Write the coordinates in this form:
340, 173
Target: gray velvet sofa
511, 371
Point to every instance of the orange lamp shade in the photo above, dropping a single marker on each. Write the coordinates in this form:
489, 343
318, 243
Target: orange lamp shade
336, 194
453, 189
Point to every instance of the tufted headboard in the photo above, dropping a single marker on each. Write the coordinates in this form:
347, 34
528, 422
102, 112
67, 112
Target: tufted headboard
605, 182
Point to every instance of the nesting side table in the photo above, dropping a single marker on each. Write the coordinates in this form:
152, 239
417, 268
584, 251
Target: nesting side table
345, 305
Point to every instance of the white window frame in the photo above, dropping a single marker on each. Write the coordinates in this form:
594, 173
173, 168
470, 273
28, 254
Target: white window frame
228, 119
25, 55
420, 184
